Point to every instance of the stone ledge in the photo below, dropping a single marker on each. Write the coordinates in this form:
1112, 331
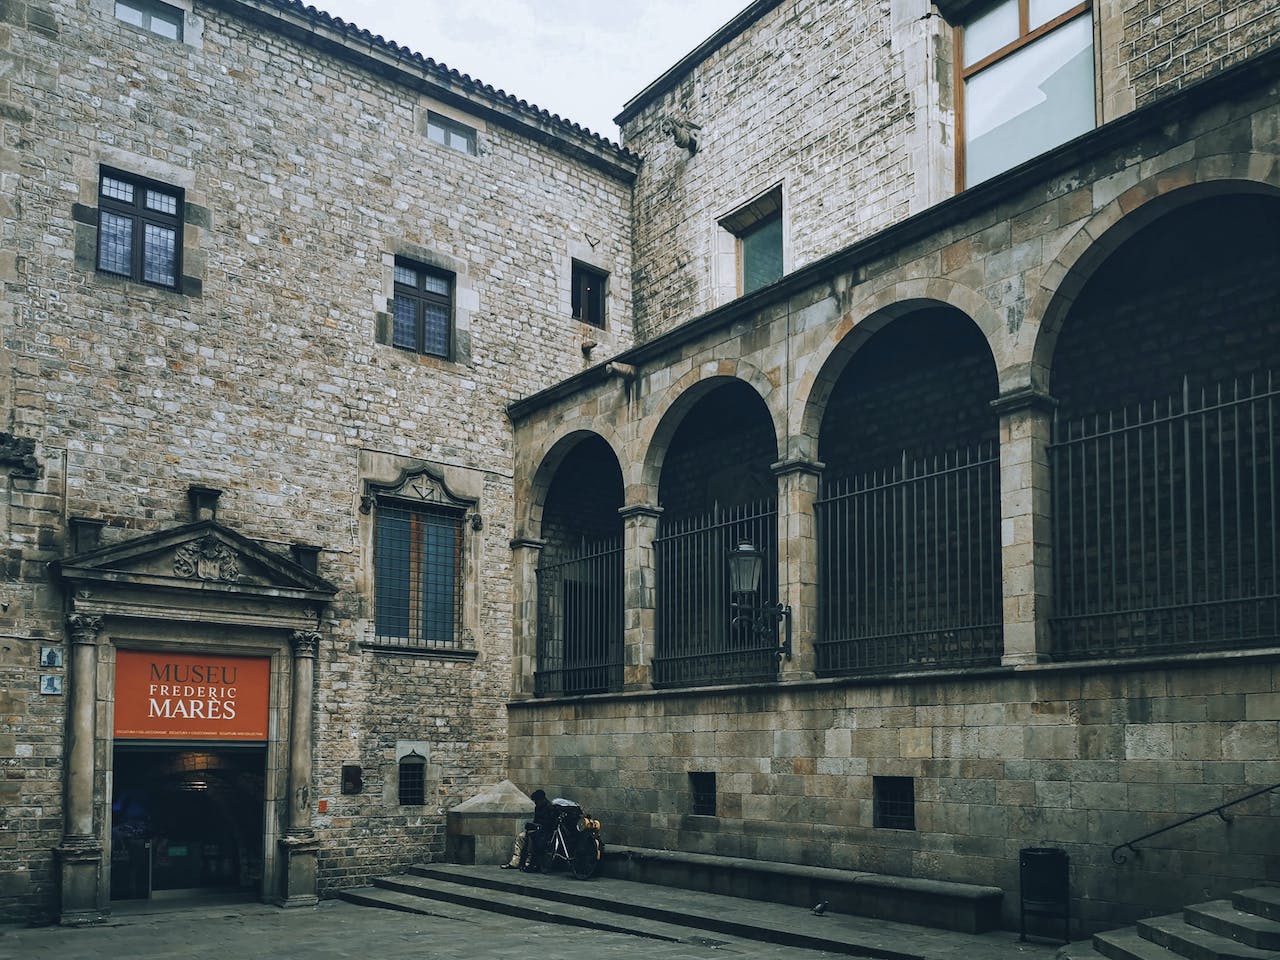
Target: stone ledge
964, 907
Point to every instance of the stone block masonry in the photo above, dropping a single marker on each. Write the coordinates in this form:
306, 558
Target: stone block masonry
305, 171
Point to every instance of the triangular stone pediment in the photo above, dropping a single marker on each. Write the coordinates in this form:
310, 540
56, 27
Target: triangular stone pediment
204, 555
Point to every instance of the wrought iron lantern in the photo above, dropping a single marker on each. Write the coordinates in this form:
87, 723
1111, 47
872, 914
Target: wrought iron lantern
746, 563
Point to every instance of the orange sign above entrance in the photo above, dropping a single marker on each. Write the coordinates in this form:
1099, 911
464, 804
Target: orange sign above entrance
179, 696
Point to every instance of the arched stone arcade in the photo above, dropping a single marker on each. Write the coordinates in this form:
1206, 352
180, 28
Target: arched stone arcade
908, 517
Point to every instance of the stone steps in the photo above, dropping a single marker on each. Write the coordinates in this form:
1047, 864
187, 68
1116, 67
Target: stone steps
701, 919
560, 899
1244, 927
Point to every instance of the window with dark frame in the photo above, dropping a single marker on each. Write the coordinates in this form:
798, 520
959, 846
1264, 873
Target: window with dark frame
422, 309
152, 16
588, 294
757, 229
451, 133
702, 787
895, 803
417, 575
412, 785
760, 252
1026, 72
139, 229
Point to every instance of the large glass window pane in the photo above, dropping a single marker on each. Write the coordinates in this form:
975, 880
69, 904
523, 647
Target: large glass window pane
161, 201
1030, 101
391, 573
404, 332
991, 31
166, 25
115, 243
1040, 12
439, 560
159, 255
117, 189
435, 329
130, 14
762, 254
433, 283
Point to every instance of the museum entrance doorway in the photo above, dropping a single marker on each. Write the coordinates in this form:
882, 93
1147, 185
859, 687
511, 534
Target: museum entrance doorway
187, 820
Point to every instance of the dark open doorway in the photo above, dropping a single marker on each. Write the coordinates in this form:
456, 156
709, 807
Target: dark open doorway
186, 820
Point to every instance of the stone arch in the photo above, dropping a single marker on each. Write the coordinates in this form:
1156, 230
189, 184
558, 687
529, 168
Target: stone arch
561, 444
681, 397
1108, 229
822, 368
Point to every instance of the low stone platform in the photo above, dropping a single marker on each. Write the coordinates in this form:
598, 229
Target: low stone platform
963, 907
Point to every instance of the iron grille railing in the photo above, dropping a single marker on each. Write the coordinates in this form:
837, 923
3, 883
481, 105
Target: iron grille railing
697, 641
418, 576
909, 565
1165, 524
580, 621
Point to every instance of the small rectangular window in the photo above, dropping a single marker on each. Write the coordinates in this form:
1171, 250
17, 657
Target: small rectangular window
412, 781
422, 309
450, 133
895, 803
151, 15
702, 786
139, 229
417, 575
588, 297
1027, 76
757, 232
762, 253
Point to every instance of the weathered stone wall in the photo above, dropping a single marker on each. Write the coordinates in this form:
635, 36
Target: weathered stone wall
1080, 760
823, 98
851, 109
1032, 753
1165, 46
304, 175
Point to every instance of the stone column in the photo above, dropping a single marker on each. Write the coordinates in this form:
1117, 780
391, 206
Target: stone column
298, 844
1026, 550
83, 895
640, 528
525, 552
798, 481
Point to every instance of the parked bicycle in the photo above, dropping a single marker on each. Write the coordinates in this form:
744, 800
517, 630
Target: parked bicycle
575, 840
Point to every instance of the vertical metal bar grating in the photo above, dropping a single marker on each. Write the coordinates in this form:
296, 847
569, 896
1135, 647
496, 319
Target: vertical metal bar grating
1165, 524
909, 566
696, 640
580, 621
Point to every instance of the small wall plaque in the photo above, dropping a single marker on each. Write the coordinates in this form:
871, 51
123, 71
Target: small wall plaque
51, 683
51, 657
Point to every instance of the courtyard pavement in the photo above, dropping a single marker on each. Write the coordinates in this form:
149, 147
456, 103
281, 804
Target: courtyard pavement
336, 929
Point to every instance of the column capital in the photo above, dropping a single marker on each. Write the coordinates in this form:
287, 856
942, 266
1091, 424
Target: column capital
1023, 398
797, 465
84, 628
639, 510
305, 643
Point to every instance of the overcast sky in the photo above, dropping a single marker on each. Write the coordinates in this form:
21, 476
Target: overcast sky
582, 59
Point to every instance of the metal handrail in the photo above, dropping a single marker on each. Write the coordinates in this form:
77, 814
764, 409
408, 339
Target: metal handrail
1117, 852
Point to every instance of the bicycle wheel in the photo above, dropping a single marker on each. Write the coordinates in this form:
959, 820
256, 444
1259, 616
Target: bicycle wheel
586, 856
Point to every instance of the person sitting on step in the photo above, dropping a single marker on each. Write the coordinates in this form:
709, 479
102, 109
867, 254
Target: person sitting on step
532, 838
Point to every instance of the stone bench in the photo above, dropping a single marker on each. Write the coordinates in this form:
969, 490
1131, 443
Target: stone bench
964, 907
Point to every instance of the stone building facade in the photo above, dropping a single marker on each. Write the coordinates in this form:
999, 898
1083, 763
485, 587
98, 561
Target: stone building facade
438, 420
198, 464
1004, 450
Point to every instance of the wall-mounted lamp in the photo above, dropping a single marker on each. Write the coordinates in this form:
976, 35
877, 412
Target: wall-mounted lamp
746, 563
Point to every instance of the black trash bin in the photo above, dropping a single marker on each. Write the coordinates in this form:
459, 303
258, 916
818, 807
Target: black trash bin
1044, 886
